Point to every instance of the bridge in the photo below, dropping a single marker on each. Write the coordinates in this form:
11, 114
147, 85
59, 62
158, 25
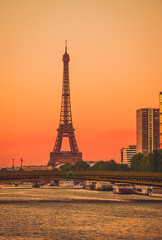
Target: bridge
152, 179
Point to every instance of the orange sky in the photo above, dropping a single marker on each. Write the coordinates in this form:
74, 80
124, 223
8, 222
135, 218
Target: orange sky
116, 57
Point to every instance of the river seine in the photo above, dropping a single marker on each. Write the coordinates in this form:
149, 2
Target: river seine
73, 214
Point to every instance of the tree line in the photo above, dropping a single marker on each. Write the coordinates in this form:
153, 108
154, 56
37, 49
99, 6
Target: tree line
98, 166
151, 162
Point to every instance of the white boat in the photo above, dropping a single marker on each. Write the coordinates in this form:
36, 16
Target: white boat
66, 183
78, 186
143, 189
123, 188
156, 192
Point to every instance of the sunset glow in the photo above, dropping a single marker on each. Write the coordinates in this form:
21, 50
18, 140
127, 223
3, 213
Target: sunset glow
115, 68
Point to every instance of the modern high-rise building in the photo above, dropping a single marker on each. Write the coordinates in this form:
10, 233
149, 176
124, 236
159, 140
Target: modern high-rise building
147, 126
127, 153
160, 121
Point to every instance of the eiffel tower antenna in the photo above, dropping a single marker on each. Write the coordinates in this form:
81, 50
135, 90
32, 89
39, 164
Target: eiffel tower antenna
65, 46
65, 128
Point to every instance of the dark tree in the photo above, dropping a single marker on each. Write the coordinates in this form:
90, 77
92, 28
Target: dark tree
122, 167
151, 162
67, 167
81, 166
136, 162
105, 166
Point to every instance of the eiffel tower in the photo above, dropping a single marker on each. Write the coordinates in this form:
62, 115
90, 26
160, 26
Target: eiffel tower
65, 129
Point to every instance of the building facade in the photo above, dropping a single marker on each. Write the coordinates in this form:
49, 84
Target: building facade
160, 121
127, 153
147, 126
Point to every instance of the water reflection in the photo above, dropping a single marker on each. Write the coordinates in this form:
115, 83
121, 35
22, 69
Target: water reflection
55, 213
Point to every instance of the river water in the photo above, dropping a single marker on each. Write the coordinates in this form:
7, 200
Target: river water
73, 214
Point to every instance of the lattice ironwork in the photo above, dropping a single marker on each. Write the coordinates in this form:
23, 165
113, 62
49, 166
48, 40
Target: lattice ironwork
65, 125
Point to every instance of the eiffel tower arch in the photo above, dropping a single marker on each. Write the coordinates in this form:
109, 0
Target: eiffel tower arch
65, 128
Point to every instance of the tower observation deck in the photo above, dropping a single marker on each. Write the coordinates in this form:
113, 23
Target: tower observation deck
65, 128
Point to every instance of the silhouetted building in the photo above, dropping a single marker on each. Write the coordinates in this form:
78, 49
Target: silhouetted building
160, 121
127, 153
147, 126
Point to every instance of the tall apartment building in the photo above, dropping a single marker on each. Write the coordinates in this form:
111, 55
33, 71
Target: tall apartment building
127, 153
147, 124
160, 121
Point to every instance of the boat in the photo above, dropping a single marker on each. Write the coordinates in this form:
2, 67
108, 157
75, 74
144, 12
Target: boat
36, 185
78, 186
66, 183
54, 183
142, 189
156, 192
123, 188
90, 185
103, 186
42, 183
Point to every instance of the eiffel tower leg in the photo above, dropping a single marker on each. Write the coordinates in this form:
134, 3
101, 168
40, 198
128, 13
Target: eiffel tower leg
73, 143
58, 142
57, 148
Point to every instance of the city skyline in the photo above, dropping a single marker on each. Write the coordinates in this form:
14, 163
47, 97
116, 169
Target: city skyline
115, 51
